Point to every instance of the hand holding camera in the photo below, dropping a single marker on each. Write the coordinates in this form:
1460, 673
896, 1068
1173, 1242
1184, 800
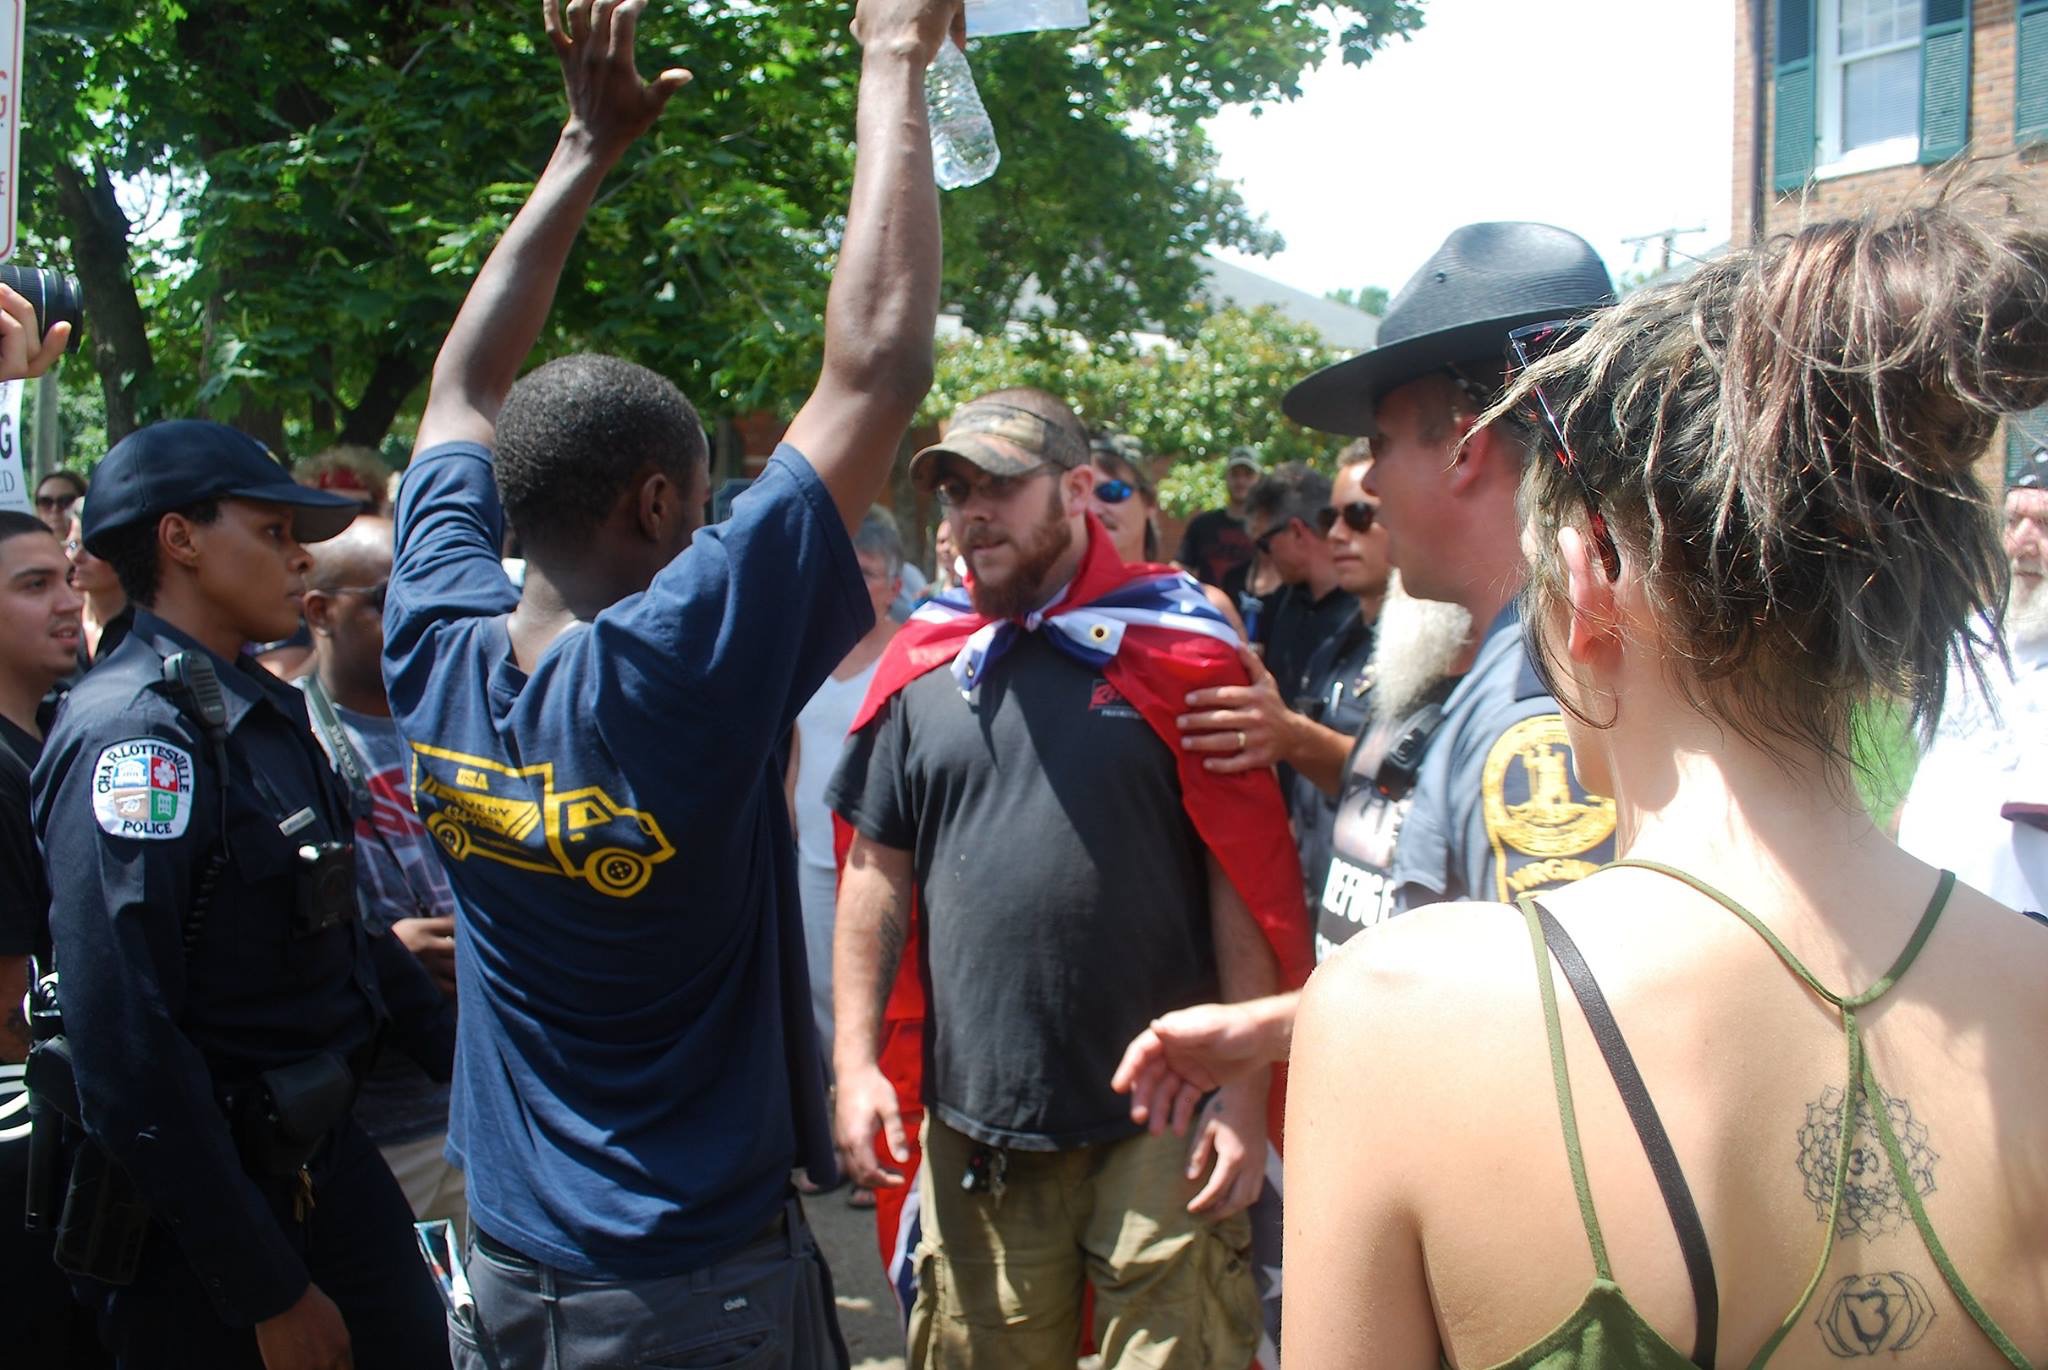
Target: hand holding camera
38, 314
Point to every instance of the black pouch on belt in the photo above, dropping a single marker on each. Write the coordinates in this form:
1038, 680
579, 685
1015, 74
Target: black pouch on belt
281, 1123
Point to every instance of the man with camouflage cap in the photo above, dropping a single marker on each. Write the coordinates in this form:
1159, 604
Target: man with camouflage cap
1077, 874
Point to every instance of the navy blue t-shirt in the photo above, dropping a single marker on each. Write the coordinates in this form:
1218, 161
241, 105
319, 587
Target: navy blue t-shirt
637, 1072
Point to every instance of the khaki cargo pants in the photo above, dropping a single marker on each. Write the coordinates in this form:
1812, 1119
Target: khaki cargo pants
999, 1279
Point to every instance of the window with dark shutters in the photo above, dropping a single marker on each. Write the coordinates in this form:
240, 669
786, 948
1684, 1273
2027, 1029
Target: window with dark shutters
1945, 79
1792, 127
2030, 84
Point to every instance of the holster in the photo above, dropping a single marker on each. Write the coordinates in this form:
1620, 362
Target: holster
281, 1119
102, 1222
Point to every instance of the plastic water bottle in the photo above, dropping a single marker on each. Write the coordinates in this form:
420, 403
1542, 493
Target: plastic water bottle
964, 150
987, 18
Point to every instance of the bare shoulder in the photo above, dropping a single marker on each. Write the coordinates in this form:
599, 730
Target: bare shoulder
1442, 956
1429, 990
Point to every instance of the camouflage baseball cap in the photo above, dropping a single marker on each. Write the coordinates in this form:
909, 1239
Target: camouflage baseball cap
1001, 439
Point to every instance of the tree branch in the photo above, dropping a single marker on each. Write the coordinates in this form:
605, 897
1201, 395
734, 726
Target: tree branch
120, 338
391, 383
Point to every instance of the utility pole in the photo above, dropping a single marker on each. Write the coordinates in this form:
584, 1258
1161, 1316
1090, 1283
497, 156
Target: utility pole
1667, 238
46, 427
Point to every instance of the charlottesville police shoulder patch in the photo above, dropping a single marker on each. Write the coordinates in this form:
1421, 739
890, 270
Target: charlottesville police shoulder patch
143, 788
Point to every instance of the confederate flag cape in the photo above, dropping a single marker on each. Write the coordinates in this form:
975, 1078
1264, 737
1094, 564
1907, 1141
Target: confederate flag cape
1154, 636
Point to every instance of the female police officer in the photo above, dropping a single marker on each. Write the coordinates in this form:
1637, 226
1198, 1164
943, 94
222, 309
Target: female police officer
218, 996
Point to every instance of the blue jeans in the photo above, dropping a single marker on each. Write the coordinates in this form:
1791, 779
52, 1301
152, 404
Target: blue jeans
768, 1306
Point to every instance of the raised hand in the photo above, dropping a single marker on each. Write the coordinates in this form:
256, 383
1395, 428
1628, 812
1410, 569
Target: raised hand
913, 27
608, 100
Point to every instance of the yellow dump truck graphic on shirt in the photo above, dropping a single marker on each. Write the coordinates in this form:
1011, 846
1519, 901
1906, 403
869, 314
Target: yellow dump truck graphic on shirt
476, 807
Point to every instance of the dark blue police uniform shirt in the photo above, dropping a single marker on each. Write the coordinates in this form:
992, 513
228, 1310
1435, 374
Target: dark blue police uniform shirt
1497, 811
128, 809
638, 1072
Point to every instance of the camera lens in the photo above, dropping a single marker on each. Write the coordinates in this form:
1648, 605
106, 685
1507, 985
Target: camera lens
54, 295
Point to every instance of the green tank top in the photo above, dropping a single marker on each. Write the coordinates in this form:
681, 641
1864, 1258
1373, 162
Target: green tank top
1605, 1332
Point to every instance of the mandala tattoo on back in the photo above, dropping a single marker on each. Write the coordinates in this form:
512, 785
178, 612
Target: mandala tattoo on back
1872, 1203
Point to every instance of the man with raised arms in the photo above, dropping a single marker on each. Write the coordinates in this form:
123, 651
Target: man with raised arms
596, 753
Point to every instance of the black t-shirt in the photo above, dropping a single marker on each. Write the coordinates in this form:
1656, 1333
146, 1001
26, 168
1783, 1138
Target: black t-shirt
1335, 693
1064, 890
1214, 545
1357, 888
1292, 626
24, 894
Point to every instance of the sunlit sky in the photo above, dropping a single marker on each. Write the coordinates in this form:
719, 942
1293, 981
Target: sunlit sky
1612, 118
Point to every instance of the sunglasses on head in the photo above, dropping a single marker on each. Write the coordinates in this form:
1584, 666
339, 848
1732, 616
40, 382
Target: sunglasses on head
1357, 515
1527, 346
1114, 491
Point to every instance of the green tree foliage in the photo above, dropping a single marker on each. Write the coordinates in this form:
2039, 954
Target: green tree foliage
1192, 402
334, 171
1372, 298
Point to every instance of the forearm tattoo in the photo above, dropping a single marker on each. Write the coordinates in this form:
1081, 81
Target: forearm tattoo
1868, 1315
1872, 1203
892, 930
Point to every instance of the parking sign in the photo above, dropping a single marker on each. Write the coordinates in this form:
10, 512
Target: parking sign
11, 19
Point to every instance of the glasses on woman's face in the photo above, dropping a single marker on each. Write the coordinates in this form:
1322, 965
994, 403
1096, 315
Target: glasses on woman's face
1114, 491
1357, 515
1525, 347
55, 504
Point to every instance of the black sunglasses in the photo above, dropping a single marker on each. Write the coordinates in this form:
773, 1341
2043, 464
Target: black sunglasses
1114, 491
1526, 346
1357, 515
1264, 541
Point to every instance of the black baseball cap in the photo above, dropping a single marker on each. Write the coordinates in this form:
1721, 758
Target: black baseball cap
183, 462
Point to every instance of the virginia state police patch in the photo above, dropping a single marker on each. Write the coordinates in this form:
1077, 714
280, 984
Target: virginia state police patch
143, 788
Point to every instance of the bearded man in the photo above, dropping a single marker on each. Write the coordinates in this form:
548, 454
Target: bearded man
1078, 873
1979, 802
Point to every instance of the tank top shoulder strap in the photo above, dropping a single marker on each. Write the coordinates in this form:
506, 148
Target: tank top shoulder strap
1560, 1076
1877, 991
1861, 1095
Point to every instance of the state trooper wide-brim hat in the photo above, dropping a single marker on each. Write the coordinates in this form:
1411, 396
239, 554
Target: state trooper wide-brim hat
183, 462
1484, 282
1002, 439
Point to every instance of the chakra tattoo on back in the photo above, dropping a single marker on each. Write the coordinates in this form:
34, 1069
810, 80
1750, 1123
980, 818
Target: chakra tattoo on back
1872, 1203
1864, 1315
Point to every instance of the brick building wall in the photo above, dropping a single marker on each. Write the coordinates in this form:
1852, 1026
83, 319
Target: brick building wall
1991, 120
1992, 77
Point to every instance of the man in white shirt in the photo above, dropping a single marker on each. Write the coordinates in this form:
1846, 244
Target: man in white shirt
1979, 803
